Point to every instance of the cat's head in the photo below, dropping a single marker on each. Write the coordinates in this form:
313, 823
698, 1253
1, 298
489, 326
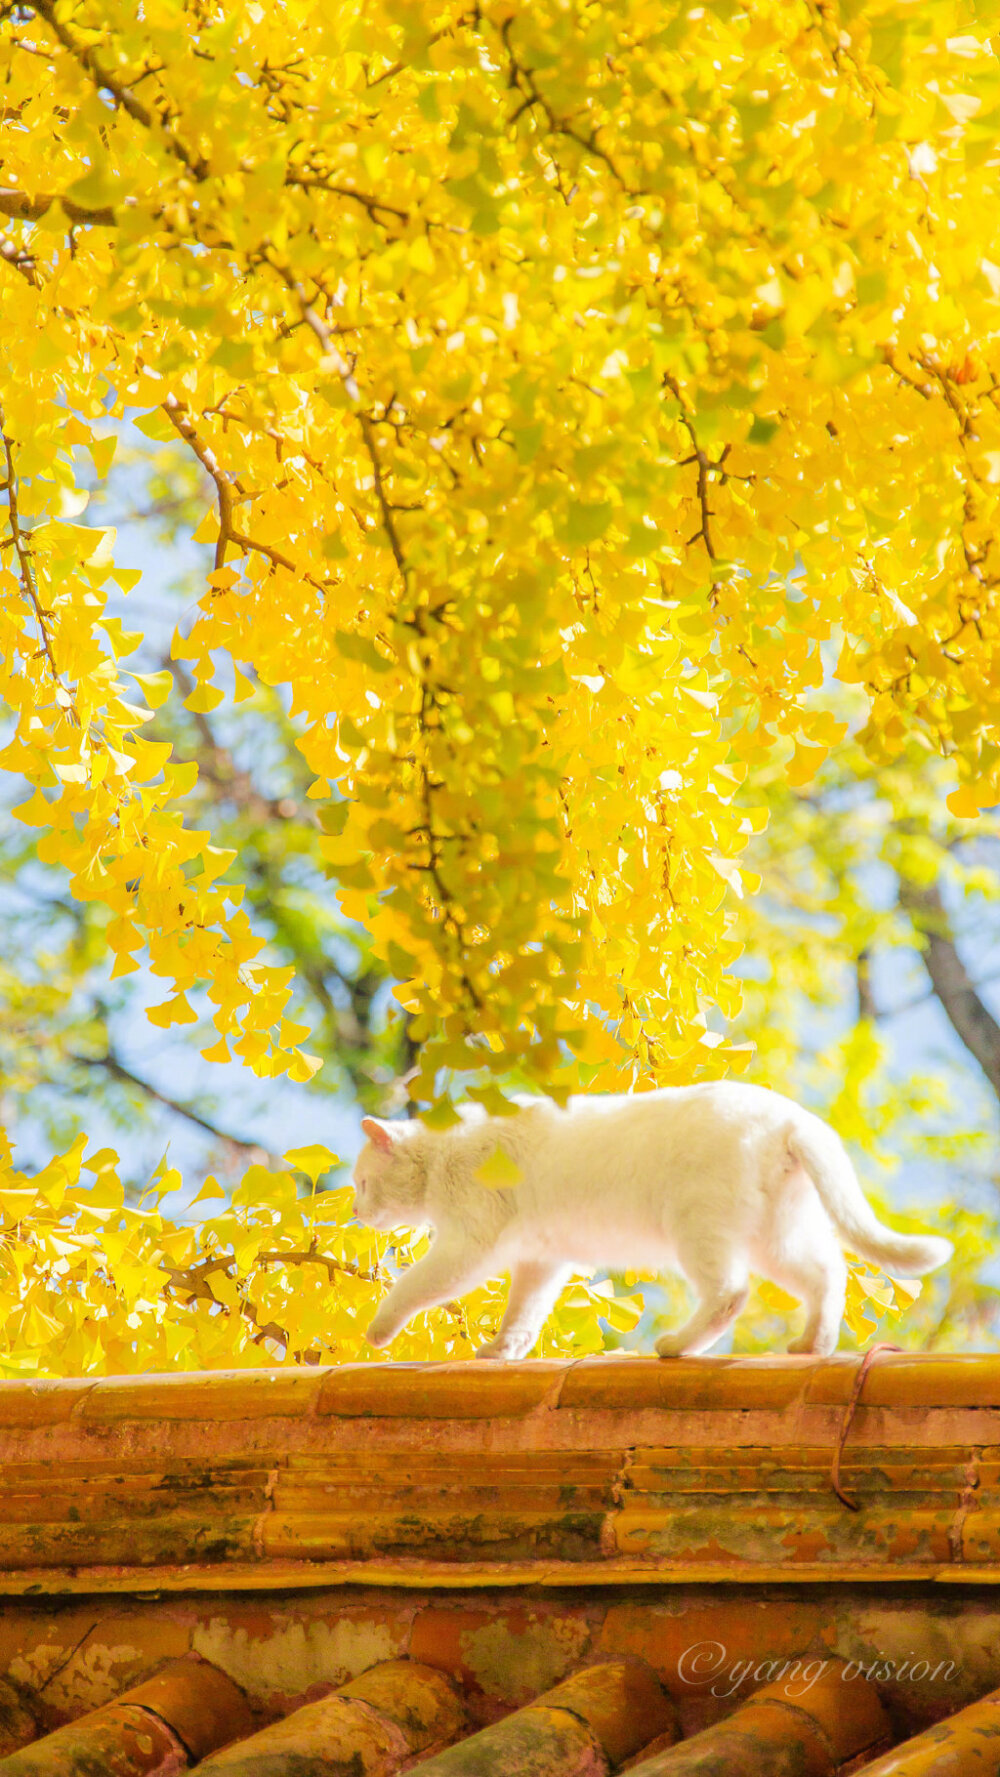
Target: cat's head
390, 1176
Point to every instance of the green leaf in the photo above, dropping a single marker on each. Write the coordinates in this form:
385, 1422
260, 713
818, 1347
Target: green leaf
333, 817
400, 961
499, 1172
585, 522
155, 425
361, 648
762, 430
527, 440
441, 1115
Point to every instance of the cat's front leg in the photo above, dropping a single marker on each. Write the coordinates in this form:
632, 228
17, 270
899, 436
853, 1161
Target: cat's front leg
534, 1287
449, 1269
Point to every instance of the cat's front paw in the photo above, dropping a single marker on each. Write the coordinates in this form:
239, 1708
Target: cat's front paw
381, 1332
822, 1345
504, 1348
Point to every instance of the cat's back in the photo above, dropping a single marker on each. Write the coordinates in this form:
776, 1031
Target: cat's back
590, 1124
607, 1134
598, 1123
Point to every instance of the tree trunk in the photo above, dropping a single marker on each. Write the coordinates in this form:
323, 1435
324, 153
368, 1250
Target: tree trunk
970, 1018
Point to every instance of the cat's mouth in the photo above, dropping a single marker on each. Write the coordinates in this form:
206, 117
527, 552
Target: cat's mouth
366, 1211
383, 1220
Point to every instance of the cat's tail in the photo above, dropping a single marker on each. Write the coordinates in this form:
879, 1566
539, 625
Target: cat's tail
822, 1153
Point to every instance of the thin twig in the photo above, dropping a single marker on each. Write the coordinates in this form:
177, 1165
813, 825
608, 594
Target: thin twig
21, 260
705, 465
226, 487
103, 78
23, 554
331, 1266
200, 1290
223, 482
21, 208
523, 81
318, 327
315, 182
118, 1071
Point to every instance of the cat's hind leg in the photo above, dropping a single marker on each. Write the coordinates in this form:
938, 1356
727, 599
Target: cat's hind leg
534, 1286
819, 1280
722, 1286
800, 1251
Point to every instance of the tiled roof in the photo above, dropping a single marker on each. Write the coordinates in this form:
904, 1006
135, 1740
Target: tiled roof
401, 1716
501, 1571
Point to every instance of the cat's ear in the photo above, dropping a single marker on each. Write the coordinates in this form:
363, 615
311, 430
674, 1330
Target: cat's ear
379, 1134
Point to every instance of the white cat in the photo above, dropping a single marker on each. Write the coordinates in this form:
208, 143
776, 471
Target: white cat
714, 1181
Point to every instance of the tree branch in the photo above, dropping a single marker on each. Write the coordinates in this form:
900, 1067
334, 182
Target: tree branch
195, 1283
118, 1071
194, 1280
324, 334
704, 465
863, 979
102, 77
224, 483
971, 1020
21, 260
373, 205
330, 1265
226, 486
22, 208
23, 553
522, 81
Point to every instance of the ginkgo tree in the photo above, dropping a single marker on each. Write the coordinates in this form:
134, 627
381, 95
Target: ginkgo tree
523, 352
